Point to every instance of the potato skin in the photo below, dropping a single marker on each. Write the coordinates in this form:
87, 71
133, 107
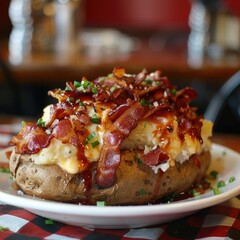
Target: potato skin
136, 183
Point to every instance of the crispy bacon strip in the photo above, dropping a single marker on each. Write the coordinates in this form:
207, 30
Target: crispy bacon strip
155, 157
31, 139
110, 155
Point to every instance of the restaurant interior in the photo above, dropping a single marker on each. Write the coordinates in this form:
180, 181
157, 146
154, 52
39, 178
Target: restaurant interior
44, 43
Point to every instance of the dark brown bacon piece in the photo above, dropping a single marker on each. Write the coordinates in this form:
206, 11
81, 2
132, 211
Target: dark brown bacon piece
31, 139
155, 157
113, 137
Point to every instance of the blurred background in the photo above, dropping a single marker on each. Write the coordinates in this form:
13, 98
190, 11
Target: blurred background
44, 43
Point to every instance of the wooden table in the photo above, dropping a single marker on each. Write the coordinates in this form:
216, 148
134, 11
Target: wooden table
49, 69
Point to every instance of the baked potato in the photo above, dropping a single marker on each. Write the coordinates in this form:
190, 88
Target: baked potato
123, 139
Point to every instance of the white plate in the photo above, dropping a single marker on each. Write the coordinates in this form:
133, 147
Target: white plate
225, 161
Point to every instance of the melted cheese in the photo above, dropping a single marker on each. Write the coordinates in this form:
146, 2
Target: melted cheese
146, 136
64, 155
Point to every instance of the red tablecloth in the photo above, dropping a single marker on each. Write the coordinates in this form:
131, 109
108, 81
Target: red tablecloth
218, 222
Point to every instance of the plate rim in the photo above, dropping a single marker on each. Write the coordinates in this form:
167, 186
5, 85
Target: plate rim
193, 204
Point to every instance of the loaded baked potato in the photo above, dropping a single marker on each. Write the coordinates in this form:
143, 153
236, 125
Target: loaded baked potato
122, 138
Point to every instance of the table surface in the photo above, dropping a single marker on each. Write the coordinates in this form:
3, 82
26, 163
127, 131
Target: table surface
172, 59
219, 222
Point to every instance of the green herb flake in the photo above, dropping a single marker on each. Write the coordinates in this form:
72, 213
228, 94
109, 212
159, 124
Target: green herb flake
71, 99
80, 103
216, 191
85, 83
40, 122
77, 84
94, 90
137, 159
113, 88
3, 228
221, 184
214, 174
4, 170
224, 153
231, 179
95, 143
148, 80
95, 119
143, 102
23, 123
173, 91
101, 204
142, 192
101, 79
90, 137
48, 221
195, 193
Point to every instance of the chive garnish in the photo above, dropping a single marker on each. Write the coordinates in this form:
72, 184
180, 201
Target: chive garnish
76, 84
49, 221
4, 170
94, 90
95, 143
231, 179
221, 184
143, 102
71, 99
113, 88
216, 191
214, 174
95, 119
3, 228
101, 204
40, 122
90, 136
173, 91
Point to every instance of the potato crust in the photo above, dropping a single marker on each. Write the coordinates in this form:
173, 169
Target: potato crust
136, 183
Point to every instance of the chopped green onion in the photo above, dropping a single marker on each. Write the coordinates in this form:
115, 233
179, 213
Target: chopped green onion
40, 122
142, 192
95, 143
101, 79
148, 80
195, 193
173, 91
216, 191
4, 170
143, 102
138, 160
90, 136
95, 119
110, 75
79, 102
86, 83
101, 204
23, 123
113, 88
231, 179
49, 221
94, 90
214, 174
3, 228
77, 84
221, 184
224, 153
71, 99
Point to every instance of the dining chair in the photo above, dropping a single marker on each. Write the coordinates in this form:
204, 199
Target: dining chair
224, 107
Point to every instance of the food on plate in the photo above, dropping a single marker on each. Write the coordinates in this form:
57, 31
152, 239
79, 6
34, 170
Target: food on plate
125, 139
